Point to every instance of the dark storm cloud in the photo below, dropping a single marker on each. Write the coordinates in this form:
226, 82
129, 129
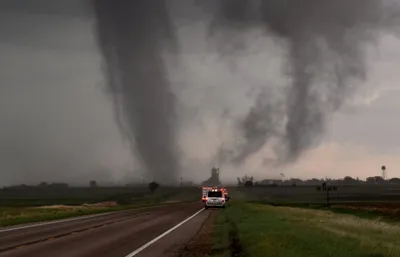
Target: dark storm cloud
70, 8
55, 123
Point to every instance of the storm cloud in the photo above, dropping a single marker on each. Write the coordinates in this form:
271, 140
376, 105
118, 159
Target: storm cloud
325, 43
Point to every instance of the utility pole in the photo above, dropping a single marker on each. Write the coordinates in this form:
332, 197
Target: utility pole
326, 189
327, 196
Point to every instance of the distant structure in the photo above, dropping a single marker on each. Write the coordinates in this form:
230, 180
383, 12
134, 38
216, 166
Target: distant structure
383, 168
214, 179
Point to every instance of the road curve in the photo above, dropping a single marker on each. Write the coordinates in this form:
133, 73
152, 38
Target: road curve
115, 234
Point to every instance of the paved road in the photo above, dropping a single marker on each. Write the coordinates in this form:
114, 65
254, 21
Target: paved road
116, 234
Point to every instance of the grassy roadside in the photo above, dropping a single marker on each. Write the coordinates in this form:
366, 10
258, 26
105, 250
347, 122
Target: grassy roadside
249, 229
391, 215
10, 216
14, 215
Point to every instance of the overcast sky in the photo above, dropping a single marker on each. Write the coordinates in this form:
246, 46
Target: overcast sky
56, 122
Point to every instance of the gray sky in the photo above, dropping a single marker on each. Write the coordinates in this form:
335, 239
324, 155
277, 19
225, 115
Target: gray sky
56, 123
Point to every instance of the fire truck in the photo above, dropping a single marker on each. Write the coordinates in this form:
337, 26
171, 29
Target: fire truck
205, 192
206, 189
225, 192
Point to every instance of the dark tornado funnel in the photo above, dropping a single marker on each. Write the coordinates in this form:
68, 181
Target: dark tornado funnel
326, 45
132, 35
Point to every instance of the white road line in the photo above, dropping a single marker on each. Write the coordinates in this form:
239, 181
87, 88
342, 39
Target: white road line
77, 218
162, 235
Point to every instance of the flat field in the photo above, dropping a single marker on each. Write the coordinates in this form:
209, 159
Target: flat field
34, 205
250, 229
295, 221
309, 194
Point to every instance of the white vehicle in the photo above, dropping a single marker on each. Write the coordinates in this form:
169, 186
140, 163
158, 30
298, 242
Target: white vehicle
215, 199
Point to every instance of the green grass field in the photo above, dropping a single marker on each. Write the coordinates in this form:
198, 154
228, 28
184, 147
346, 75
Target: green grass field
19, 210
309, 194
250, 229
77, 196
12, 216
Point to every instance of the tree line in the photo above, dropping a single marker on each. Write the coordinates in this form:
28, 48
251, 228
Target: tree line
347, 180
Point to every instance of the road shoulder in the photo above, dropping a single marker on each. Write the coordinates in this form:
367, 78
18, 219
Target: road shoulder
182, 241
203, 243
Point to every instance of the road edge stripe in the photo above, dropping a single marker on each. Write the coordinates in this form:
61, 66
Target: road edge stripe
143, 247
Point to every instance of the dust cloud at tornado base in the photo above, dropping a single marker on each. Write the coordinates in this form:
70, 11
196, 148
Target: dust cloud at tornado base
324, 60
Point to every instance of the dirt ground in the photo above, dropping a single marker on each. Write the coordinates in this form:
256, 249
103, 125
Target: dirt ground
202, 243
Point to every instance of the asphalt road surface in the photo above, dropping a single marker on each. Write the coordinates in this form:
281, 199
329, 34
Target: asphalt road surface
122, 234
